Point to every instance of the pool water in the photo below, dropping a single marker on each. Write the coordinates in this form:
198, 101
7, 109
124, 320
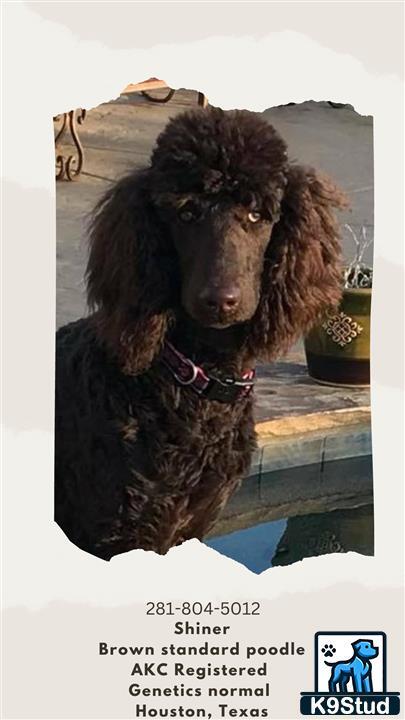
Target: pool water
283, 542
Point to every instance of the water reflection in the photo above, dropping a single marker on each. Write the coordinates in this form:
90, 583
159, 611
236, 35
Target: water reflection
284, 542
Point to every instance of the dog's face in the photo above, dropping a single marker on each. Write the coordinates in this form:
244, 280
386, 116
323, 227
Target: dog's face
219, 190
221, 248
365, 649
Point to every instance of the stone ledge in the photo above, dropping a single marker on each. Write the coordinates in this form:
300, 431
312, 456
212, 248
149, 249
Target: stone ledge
310, 439
313, 422
306, 464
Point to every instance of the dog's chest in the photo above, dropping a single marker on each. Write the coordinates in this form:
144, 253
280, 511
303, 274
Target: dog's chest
178, 437
183, 462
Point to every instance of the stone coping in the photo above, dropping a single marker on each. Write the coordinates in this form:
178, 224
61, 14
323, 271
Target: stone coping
304, 464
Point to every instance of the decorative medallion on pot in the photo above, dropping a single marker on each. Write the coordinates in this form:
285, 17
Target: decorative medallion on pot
342, 328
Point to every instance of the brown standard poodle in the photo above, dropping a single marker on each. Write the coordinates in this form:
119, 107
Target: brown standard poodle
219, 254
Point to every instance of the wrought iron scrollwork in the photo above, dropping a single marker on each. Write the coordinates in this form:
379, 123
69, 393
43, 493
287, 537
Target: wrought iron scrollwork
201, 100
158, 99
69, 167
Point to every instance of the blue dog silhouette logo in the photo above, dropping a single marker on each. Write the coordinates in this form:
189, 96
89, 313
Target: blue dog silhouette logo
350, 676
358, 669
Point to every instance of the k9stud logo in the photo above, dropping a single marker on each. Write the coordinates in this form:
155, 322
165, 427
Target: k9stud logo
350, 676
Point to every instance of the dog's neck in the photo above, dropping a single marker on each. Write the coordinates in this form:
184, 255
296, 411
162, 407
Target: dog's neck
223, 349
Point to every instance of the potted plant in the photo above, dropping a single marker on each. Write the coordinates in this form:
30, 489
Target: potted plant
338, 348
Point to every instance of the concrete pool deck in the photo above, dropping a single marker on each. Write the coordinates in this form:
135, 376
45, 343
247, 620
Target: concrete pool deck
314, 441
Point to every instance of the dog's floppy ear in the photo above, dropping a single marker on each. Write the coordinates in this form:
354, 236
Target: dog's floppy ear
302, 273
129, 273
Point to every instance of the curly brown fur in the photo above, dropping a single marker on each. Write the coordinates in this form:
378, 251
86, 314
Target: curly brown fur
230, 252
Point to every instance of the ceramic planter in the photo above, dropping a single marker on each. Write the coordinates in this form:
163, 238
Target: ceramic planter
338, 349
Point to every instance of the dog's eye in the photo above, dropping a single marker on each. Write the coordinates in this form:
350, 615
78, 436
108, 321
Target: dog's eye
186, 216
254, 217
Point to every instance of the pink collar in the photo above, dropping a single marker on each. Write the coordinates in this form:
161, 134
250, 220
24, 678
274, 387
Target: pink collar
186, 373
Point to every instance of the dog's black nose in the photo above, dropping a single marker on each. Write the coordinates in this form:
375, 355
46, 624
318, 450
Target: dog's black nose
220, 299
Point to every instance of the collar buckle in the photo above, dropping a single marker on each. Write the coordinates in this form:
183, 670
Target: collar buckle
186, 373
193, 375
228, 390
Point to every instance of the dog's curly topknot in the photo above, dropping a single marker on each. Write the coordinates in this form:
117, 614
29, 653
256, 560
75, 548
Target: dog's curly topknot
212, 151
